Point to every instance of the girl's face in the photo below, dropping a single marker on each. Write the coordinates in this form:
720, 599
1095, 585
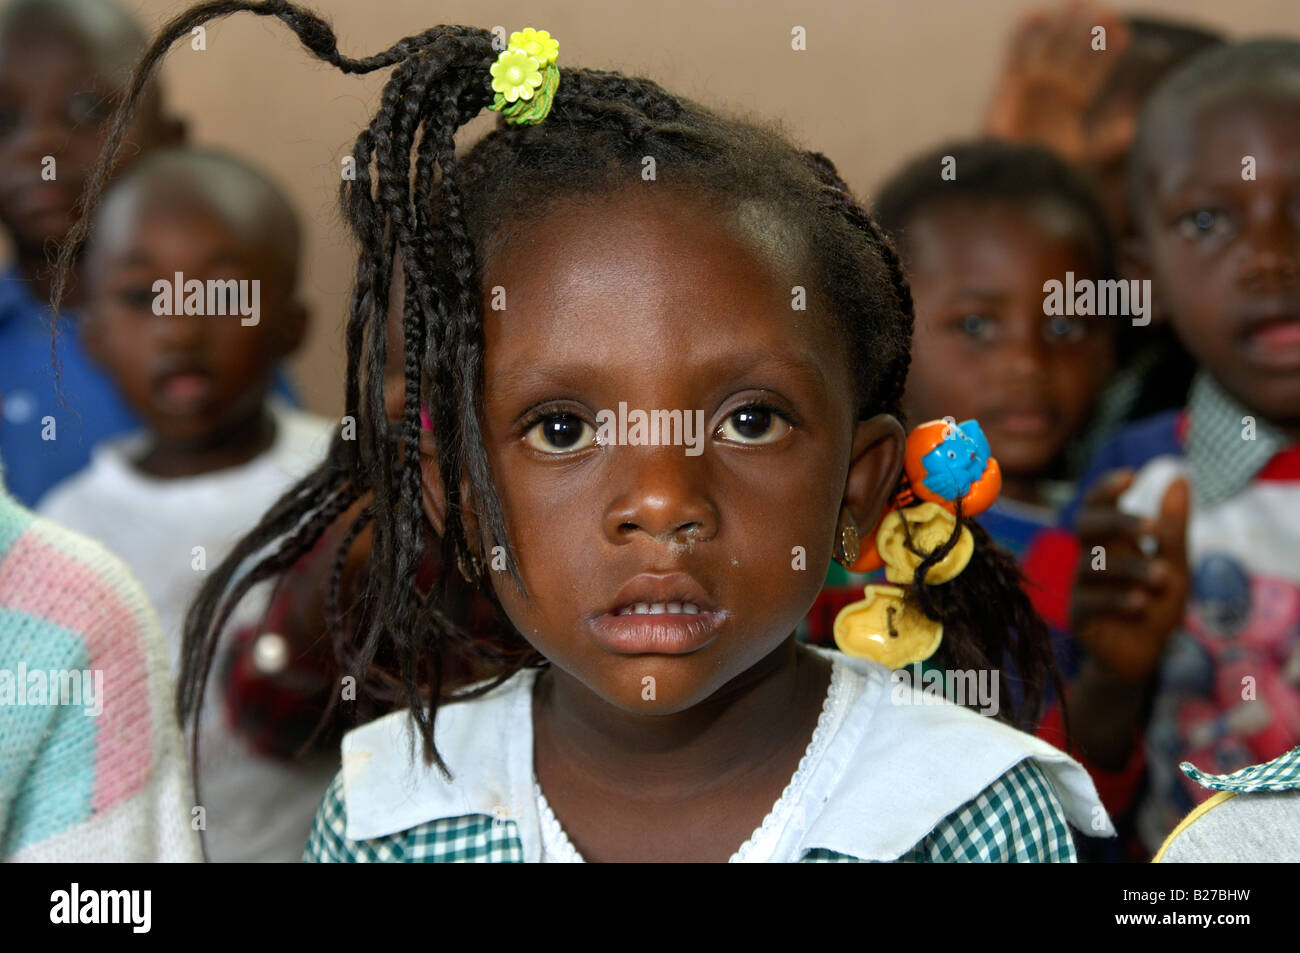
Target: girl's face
644, 302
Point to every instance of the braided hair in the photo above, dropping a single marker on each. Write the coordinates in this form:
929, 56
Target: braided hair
439, 221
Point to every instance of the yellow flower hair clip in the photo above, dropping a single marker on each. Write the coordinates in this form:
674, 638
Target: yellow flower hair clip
525, 77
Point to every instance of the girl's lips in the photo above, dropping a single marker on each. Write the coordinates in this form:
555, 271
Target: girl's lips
667, 633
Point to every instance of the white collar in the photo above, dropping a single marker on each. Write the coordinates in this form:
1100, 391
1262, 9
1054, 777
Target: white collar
897, 765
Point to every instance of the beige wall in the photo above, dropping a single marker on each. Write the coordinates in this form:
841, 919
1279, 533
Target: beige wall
878, 81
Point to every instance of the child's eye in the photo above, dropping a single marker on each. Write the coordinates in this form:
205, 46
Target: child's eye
977, 327
754, 424
1061, 328
560, 433
1204, 223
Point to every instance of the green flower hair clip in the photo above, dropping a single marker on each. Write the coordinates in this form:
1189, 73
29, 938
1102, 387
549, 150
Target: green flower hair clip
525, 77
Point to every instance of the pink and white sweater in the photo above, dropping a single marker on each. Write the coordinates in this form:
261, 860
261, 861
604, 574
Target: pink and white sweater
92, 766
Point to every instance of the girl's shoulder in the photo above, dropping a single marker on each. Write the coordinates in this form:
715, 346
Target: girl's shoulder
939, 772
386, 788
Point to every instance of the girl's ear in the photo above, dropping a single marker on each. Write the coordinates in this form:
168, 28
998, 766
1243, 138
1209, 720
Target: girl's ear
469, 517
875, 464
435, 495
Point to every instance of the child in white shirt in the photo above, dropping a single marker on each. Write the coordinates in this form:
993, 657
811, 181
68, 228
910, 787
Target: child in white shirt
198, 229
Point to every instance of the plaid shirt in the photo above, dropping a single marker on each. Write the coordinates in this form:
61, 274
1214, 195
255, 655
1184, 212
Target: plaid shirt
1018, 815
1222, 458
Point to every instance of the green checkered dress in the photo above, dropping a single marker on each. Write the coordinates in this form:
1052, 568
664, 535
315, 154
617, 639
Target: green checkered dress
889, 774
1016, 819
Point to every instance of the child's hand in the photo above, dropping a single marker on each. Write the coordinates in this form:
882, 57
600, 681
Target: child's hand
1052, 76
1124, 614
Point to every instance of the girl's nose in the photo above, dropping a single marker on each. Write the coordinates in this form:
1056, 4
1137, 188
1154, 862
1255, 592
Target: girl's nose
664, 497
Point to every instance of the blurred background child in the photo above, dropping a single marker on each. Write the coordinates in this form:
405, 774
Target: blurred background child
1057, 88
217, 450
63, 65
978, 249
1197, 614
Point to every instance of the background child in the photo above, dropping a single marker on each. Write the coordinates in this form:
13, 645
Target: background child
63, 65
1057, 89
1201, 609
691, 725
94, 769
216, 452
978, 250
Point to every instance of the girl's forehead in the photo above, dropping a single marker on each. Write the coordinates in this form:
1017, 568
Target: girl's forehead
648, 259
654, 219
650, 279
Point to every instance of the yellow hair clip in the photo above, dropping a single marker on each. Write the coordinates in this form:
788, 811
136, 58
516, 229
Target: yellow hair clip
525, 77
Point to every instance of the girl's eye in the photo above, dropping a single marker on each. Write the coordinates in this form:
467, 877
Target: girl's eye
977, 327
754, 425
1063, 328
560, 433
1204, 223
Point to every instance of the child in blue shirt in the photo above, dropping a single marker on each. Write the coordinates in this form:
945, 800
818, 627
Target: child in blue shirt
1193, 615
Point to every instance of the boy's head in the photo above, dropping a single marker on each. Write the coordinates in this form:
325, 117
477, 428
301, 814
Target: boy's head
1215, 188
1157, 46
191, 277
63, 66
979, 244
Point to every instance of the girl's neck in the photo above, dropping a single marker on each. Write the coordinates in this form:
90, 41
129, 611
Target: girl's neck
769, 709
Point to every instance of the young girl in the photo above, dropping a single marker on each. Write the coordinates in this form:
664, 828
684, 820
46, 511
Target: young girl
625, 252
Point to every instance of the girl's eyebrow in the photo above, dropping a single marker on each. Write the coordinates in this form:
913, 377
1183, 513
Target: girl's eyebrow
725, 367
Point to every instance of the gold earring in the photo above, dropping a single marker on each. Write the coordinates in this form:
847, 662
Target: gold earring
475, 565
848, 545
